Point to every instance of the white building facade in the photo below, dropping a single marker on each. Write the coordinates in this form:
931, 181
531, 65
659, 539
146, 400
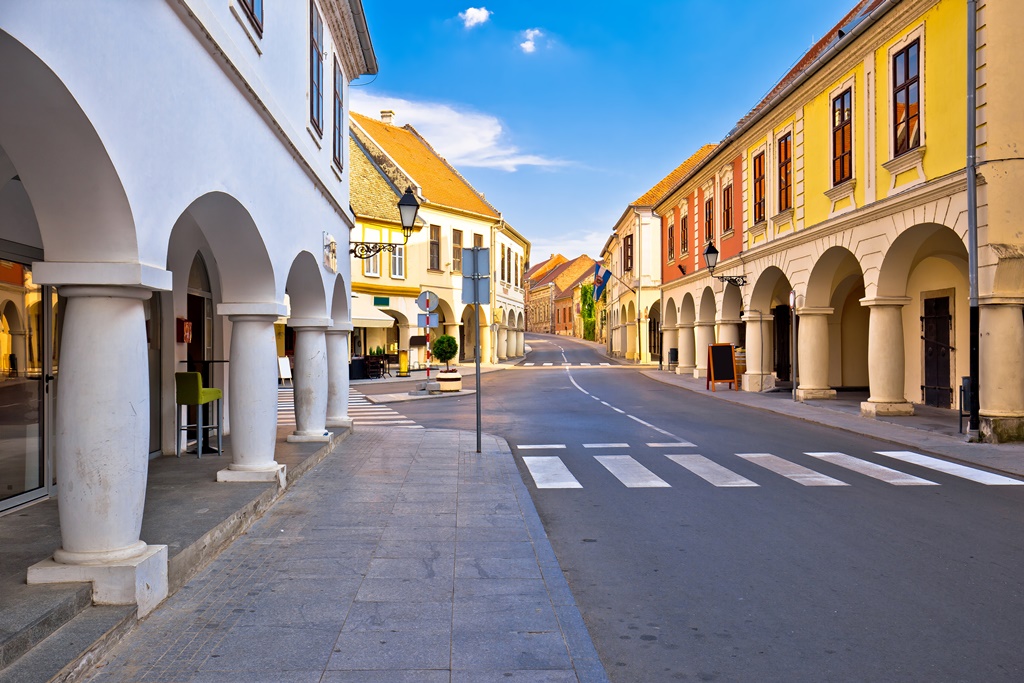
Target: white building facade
164, 163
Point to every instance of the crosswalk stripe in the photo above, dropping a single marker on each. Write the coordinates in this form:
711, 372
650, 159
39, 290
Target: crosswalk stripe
710, 471
585, 364
630, 472
539, 446
790, 470
962, 471
606, 445
528, 364
379, 423
870, 469
549, 472
675, 444
547, 365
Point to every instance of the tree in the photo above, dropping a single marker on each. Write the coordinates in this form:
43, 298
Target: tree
444, 349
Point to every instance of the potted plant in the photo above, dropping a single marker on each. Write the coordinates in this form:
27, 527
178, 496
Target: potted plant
444, 349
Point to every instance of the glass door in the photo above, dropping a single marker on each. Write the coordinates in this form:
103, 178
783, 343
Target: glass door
26, 369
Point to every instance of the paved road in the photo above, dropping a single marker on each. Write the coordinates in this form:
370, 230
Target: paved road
718, 543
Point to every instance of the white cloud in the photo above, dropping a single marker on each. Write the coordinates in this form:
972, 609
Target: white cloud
530, 44
464, 138
474, 16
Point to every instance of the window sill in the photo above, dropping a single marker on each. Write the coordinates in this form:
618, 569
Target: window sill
243, 19
908, 161
317, 137
784, 216
434, 270
843, 189
758, 229
728, 234
337, 172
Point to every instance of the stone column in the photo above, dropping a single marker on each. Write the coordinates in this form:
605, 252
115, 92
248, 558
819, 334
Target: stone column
813, 354
759, 375
337, 374
704, 333
886, 359
511, 352
520, 344
686, 350
310, 380
729, 332
252, 389
102, 446
1001, 371
502, 343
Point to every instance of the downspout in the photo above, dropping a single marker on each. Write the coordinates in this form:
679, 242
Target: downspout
639, 287
972, 216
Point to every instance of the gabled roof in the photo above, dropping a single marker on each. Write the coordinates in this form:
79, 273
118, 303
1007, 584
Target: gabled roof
665, 185
569, 266
438, 181
371, 194
538, 271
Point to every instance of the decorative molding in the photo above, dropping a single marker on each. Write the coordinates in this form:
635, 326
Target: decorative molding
912, 160
840, 192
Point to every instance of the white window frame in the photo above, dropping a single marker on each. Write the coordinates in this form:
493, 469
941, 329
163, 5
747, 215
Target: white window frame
371, 266
398, 262
915, 157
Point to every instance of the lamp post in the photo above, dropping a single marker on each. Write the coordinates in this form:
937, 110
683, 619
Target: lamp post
711, 258
407, 209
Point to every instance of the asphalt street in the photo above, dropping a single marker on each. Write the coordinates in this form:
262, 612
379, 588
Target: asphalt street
714, 542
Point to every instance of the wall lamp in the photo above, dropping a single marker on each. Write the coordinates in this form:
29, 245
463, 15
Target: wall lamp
407, 208
711, 258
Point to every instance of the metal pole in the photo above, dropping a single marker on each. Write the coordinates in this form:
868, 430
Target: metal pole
972, 216
792, 339
477, 352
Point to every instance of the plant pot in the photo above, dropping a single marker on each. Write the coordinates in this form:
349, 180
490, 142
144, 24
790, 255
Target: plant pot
449, 381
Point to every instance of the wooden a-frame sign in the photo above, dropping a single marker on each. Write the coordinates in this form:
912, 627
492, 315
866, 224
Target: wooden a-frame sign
722, 366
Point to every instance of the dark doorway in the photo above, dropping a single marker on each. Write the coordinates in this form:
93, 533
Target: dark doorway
783, 320
937, 325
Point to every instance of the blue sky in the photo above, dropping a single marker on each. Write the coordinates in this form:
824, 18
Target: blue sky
563, 112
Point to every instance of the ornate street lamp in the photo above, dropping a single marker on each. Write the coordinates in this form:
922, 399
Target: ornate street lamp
711, 258
407, 208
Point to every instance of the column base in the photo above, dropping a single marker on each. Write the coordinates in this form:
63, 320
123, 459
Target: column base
310, 437
813, 394
1001, 429
141, 580
869, 409
700, 373
278, 472
757, 382
342, 422
684, 370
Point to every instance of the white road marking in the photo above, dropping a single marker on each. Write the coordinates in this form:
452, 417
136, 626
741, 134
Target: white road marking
790, 470
395, 423
630, 472
547, 365
605, 363
677, 444
710, 471
550, 472
962, 471
870, 469
606, 445
527, 364
585, 364
539, 446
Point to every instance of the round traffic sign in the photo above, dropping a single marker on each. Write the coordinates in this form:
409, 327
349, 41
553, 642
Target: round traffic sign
427, 301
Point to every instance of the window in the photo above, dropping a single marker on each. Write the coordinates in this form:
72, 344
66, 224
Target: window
316, 69
398, 262
435, 247
456, 251
504, 258
671, 241
727, 209
254, 10
371, 266
785, 172
842, 137
627, 253
759, 214
684, 234
906, 99
709, 220
339, 114
478, 240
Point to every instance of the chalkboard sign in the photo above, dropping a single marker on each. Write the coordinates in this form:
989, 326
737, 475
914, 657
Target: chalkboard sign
721, 365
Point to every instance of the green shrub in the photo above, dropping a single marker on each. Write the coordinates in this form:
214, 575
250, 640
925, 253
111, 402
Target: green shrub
444, 349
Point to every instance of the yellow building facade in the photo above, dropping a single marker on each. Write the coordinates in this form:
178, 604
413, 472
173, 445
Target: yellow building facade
854, 219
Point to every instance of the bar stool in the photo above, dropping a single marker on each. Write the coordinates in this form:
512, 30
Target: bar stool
189, 391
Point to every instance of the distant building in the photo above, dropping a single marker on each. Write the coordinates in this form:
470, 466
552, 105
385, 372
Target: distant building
552, 313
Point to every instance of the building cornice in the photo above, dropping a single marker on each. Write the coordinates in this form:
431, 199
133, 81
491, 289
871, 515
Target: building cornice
361, 287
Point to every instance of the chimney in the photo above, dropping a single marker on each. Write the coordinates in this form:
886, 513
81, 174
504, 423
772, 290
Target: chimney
386, 115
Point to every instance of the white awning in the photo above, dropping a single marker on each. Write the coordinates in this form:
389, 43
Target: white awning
365, 314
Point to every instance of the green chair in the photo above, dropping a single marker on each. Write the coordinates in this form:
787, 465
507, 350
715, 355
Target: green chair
189, 391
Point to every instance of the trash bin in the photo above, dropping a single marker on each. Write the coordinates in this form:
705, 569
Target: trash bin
673, 356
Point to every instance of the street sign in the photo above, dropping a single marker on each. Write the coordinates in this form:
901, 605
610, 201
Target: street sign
427, 320
424, 297
476, 261
476, 291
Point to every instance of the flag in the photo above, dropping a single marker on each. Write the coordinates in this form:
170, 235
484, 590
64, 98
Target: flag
601, 277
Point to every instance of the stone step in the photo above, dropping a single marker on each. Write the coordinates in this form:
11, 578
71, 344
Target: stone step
31, 615
74, 648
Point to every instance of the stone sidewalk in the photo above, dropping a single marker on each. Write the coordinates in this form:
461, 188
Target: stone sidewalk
403, 556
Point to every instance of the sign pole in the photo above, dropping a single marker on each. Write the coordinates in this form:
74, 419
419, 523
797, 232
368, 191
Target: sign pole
477, 354
428, 336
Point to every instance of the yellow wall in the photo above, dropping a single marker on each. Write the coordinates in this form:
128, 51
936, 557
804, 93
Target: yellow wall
943, 93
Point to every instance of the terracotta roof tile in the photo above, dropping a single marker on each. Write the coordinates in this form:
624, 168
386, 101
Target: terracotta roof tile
371, 194
665, 185
440, 182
